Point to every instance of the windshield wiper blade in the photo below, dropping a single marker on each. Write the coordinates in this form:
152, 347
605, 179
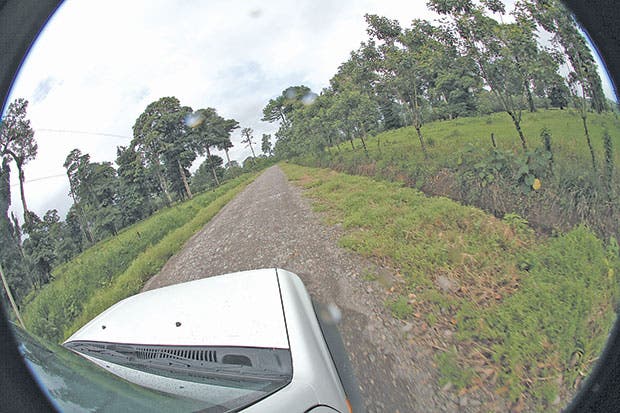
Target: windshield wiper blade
235, 363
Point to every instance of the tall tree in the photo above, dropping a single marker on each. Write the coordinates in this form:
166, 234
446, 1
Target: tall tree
401, 64
11, 258
94, 190
161, 135
203, 178
136, 185
583, 80
496, 49
75, 164
247, 138
224, 144
278, 109
354, 115
39, 247
210, 130
17, 142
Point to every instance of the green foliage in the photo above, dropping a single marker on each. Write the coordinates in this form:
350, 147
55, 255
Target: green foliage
400, 307
532, 302
564, 305
477, 169
452, 371
205, 176
120, 265
500, 180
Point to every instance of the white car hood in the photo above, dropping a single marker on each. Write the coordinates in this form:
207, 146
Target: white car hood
202, 312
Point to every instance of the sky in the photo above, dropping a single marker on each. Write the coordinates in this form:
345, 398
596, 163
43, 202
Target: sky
98, 64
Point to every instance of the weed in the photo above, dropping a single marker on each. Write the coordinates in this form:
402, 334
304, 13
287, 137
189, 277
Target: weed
370, 276
400, 307
451, 370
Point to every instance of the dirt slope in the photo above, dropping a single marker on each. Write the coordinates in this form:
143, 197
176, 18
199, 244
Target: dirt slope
270, 224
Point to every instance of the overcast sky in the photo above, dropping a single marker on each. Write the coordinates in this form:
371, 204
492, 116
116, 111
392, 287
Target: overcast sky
98, 64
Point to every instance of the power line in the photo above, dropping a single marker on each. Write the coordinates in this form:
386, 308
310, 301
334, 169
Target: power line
82, 133
41, 178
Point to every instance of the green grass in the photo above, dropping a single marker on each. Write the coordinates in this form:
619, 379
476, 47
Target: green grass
521, 305
400, 147
459, 165
118, 267
400, 307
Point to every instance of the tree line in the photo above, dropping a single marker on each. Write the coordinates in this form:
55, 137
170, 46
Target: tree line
150, 173
478, 59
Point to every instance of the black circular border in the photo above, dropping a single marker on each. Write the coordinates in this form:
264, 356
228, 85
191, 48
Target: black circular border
20, 23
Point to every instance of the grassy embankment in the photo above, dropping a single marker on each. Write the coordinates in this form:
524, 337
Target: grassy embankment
118, 267
461, 166
529, 314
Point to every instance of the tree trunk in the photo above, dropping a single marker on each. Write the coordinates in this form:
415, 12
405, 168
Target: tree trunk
251, 148
418, 130
217, 181
530, 98
227, 156
352, 146
164, 187
81, 218
585, 128
184, 179
17, 234
584, 116
517, 124
22, 193
364, 142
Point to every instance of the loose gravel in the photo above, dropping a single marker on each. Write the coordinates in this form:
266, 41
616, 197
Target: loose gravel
270, 224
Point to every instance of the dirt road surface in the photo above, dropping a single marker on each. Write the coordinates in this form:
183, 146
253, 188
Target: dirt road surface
270, 224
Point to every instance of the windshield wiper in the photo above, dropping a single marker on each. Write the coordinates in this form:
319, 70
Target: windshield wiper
233, 363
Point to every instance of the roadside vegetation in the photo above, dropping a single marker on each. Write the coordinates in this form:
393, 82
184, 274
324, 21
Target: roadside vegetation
119, 266
475, 108
529, 314
151, 173
477, 161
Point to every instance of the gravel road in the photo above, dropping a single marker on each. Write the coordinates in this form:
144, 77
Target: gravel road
270, 224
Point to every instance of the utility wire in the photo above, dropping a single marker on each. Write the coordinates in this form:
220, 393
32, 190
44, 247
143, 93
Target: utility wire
82, 133
41, 178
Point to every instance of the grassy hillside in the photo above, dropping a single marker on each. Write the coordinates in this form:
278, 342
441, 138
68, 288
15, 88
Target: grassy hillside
118, 267
527, 314
464, 165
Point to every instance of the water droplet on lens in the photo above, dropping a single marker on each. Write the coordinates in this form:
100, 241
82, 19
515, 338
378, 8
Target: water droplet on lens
309, 98
290, 93
330, 314
194, 119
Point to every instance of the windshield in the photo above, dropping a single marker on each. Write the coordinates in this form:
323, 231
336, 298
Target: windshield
227, 377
